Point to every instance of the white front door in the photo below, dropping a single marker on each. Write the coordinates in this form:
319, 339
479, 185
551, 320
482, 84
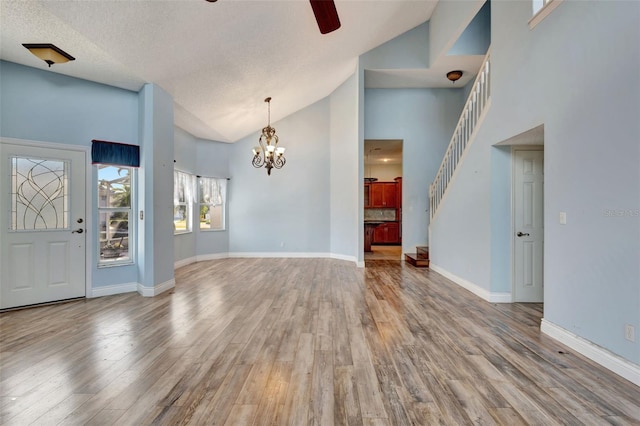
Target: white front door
42, 224
528, 222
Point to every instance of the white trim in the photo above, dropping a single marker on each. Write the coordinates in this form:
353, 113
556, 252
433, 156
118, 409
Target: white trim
483, 293
543, 13
44, 144
500, 297
110, 290
600, 355
184, 262
279, 254
468, 285
225, 255
343, 257
211, 256
472, 139
157, 289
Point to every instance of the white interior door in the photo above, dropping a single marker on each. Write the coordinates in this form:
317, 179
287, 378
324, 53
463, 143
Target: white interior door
42, 224
528, 225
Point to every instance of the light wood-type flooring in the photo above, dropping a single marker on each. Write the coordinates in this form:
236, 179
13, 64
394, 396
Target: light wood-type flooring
299, 342
384, 253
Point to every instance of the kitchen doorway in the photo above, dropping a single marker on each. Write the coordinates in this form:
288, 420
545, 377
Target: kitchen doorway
383, 199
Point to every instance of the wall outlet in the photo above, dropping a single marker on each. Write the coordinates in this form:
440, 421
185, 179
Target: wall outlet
630, 332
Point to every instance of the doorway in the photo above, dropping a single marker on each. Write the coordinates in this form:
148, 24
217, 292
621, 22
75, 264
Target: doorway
43, 229
383, 199
528, 224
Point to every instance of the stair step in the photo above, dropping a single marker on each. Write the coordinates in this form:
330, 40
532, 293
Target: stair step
416, 260
423, 252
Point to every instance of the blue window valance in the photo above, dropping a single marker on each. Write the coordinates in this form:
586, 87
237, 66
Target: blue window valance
116, 153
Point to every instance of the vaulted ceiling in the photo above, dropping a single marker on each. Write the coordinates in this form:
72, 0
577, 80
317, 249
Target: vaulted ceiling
218, 60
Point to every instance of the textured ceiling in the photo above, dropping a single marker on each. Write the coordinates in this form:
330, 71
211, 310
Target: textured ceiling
218, 60
382, 151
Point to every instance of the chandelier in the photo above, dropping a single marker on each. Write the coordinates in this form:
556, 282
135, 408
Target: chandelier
268, 154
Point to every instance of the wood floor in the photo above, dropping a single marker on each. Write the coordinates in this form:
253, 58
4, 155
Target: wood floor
299, 342
384, 253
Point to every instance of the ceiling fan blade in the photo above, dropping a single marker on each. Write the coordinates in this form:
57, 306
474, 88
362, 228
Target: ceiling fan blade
326, 15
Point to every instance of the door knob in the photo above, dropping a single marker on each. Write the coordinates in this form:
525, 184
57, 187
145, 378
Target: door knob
520, 234
79, 231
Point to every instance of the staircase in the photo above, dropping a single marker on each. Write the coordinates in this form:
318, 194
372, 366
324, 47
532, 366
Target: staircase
464, 133
420, 259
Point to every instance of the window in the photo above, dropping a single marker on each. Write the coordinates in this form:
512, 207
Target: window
39, 194
182, 202
114, 212
212, 196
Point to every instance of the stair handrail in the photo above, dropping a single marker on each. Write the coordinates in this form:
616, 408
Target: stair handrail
462, 135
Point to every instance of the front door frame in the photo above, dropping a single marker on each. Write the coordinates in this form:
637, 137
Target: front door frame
515, 148
88, 216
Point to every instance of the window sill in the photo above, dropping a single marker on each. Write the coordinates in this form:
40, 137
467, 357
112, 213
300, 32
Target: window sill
543, 13
115, 264
212, 230
182, 233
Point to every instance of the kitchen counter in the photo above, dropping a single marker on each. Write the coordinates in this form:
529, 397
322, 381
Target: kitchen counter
369, 226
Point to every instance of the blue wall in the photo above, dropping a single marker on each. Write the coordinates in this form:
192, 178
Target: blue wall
448, 22
424, 119
287, 212
344, 180
185, 156
592, 165
476, 38
408, 50
201, 158
44, 106
156, 176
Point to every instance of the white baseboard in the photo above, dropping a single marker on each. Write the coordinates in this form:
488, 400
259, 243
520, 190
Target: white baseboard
343, 257
156, 290
184, 262
110, 290
495, 297
211, 256
472, 287
225, 255
600, 355
271, 254
310, 255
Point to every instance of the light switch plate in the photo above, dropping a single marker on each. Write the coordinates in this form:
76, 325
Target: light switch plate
563, 218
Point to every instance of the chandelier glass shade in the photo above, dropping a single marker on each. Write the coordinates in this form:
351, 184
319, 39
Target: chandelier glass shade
268, 154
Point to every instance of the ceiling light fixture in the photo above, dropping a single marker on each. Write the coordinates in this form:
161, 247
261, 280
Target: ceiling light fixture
268, 154
49, 53
454, 75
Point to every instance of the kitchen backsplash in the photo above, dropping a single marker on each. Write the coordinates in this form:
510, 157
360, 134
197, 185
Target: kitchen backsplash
380, 214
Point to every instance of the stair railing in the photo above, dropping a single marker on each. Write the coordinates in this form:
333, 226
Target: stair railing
463, 135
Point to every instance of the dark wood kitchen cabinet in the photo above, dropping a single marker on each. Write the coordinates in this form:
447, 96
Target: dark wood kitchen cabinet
367, 195
383, 194
387, 233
